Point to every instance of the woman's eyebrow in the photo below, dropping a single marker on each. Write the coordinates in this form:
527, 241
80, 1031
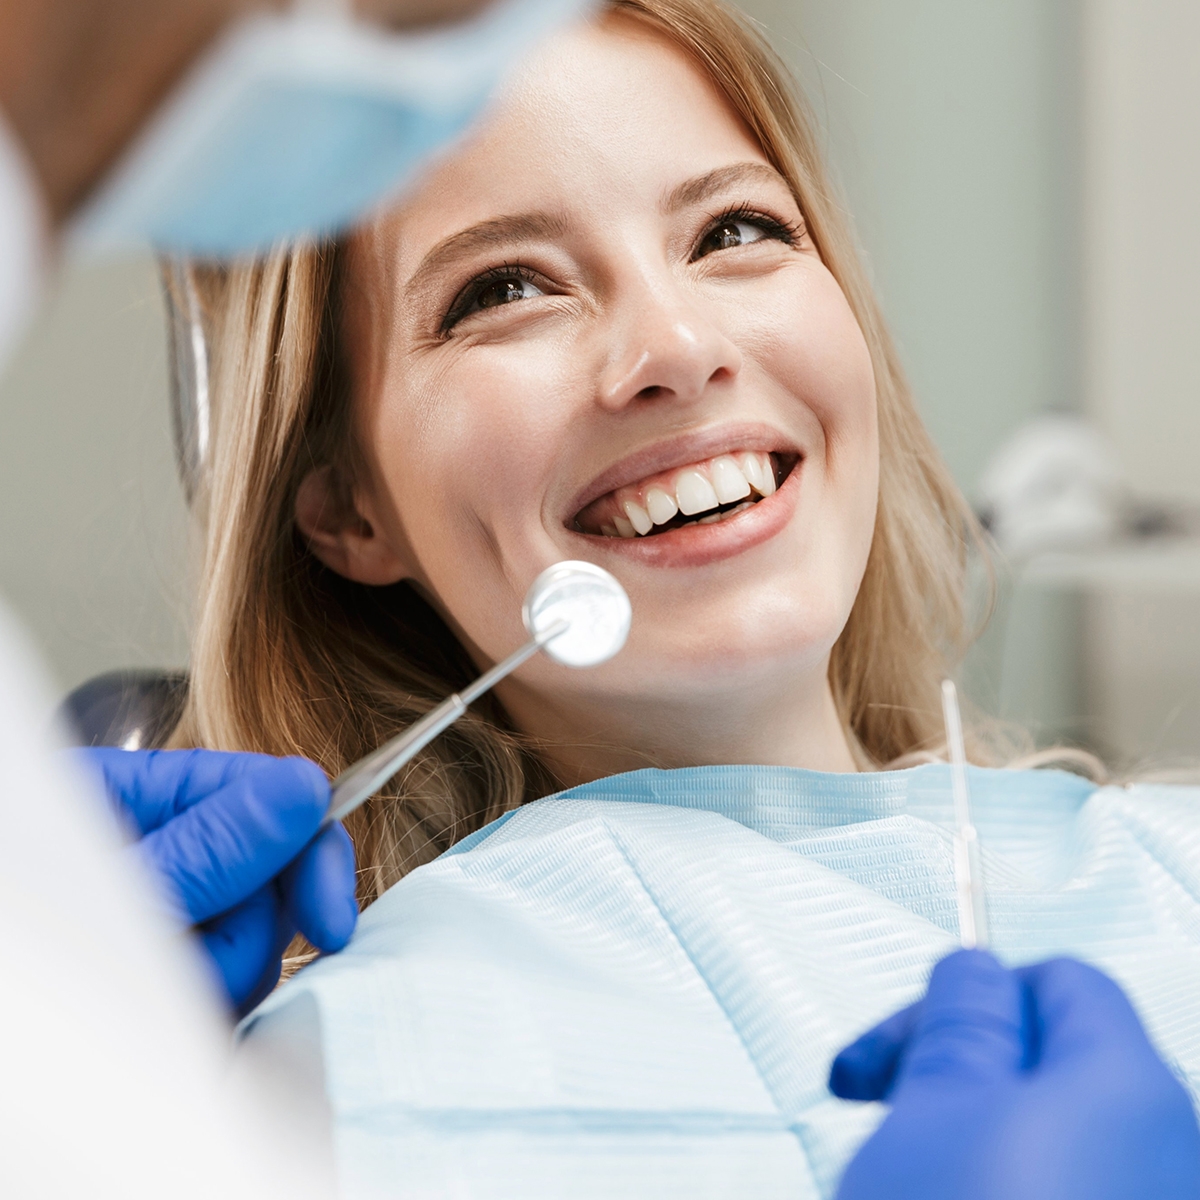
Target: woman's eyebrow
487, 235
694, 191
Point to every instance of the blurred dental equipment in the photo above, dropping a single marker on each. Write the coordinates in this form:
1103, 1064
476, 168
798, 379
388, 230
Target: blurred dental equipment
576, 612
188, 356
968, 869
299, 122
1054, 485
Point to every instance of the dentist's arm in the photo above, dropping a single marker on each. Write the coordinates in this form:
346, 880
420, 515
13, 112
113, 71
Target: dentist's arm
228, 840
1035, 1084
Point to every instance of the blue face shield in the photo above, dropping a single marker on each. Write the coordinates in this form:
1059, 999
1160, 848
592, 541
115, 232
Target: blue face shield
300, 123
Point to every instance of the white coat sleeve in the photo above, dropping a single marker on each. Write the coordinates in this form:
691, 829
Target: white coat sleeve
114, 1059
115, 1072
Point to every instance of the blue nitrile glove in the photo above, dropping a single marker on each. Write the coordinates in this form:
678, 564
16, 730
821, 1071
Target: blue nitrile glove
1034, 1084
228, 837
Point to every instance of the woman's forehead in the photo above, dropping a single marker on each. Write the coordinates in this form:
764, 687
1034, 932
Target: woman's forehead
599, 118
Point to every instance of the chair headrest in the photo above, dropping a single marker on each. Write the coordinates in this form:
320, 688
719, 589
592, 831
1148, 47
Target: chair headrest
136, 710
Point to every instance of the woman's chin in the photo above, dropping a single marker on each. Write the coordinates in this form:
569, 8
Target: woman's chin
700, 656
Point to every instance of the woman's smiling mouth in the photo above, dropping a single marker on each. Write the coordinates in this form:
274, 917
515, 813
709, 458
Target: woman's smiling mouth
694, 501
701, 493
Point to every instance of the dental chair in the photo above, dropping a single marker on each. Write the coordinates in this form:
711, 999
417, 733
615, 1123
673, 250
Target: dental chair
138, 709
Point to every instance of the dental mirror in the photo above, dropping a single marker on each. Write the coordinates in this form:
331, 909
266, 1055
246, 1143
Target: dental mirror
576, 612
593, 604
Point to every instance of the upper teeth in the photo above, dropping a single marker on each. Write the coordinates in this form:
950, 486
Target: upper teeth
694, 493
690, 490
639, 519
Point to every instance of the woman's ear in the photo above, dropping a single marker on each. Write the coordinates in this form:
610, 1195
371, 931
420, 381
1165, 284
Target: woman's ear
340, 536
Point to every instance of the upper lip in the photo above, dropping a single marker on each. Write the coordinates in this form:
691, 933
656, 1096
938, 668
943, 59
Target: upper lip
681, 452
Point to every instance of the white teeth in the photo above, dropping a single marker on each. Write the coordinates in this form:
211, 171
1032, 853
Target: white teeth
661, 506
694, 493
751, 465
717, 517
639, 518
727, 479
768, 487
723, 480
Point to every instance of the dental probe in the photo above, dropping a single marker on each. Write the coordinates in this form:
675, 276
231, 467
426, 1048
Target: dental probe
577, 613
968, 869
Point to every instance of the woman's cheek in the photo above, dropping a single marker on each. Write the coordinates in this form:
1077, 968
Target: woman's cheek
501, 434
821, 360
834, 376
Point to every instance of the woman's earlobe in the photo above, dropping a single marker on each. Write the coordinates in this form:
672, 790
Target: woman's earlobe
340, 536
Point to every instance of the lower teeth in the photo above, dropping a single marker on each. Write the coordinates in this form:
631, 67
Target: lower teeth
712, 518
717, 517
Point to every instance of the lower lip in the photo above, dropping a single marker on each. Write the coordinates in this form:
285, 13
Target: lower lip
699, 545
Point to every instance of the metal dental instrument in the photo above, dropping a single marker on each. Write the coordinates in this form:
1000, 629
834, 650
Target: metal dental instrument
968, 869
576, 612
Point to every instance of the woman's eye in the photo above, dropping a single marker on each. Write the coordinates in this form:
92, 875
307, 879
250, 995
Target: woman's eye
729, 234
503, 291
490, 291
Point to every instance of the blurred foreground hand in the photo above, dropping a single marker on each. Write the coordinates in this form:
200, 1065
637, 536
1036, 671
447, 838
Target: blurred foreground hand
1033, 1084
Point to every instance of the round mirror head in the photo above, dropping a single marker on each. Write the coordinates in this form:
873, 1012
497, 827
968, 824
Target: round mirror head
593, 604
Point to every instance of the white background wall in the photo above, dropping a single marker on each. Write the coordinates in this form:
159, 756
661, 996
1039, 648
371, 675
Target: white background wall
92, 543
1141, 204
1141, 192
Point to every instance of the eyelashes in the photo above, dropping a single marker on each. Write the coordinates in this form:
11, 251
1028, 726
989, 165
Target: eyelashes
490, 284
512, 282
791, 233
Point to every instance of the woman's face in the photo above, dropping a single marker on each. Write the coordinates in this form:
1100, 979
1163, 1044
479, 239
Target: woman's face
600, 331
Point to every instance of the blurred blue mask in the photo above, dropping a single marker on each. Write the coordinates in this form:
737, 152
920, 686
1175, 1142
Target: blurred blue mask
299, 123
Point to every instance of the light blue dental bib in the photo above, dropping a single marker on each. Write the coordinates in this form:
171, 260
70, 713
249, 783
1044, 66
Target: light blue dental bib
635, 988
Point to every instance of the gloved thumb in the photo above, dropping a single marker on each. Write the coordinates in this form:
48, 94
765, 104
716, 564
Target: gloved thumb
969, 1029
866, 1069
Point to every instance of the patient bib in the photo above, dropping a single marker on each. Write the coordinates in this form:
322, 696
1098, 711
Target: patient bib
635, 988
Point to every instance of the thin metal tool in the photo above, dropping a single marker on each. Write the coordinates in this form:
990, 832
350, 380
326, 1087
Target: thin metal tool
577, 613
968, 869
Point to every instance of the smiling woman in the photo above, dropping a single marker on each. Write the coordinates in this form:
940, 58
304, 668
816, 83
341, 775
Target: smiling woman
623, 322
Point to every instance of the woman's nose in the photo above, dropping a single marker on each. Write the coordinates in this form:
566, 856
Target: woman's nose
665, 347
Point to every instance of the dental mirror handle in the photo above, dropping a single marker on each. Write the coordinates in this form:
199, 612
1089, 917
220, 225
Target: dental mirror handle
359, 782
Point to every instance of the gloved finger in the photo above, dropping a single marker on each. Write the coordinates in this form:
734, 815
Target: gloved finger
866, 1069
242, 943
318, 890
226, 846
1081, 1010
970, 1028
1141, 1128
151, 787
284, 932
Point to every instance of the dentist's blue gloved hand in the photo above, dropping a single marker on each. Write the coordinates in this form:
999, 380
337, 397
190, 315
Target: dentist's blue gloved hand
1034, 1084
228, 838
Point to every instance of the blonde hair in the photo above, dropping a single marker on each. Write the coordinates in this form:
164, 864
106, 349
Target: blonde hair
290, 658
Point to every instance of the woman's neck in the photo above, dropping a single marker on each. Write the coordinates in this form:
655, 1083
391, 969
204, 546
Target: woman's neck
583, 740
